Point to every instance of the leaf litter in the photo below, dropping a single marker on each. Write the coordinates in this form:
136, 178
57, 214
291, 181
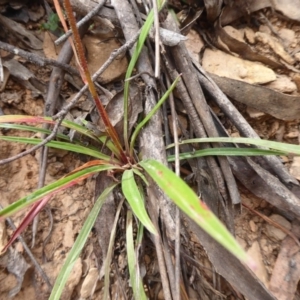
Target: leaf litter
265, 44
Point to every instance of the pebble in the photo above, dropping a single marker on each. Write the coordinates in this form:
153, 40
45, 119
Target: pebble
283, 84
254, 113
253, 226
274, 232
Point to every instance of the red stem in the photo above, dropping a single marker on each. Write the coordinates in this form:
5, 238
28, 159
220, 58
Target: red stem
83, 64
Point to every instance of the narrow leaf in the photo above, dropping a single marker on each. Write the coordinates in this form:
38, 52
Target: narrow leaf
78, 245
135, 278
226, 152
36, 208
68, 124
290, 148
139, 46
133, 196
25, 119
32, 129
151, 113
185, 198
86, 76
61, 145
52, 188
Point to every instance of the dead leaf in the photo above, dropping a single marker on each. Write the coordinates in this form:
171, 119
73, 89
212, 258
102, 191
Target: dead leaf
281, 106
26, 36
264, 185
243, 49
98, 52
233, 12
286, 273
213, 9
275, 45
25, 77
49, 47
287, 8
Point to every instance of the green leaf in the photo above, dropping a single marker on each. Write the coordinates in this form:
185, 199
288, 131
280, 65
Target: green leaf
52, 188
226, 152
133, 196
52, 24
185, 198
68, 124
133, 264
61, 145
78, 245
139, 46
295, 149
32, 129
151, 113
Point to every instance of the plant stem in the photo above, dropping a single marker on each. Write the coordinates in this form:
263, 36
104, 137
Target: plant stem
87, 77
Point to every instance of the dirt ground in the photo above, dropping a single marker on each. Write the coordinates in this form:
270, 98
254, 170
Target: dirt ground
273, 34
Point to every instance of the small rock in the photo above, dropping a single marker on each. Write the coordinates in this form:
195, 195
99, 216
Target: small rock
254, 113
223, 64
250, 35
292, 135
295, 167
283, 84
253, 226
274, 232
